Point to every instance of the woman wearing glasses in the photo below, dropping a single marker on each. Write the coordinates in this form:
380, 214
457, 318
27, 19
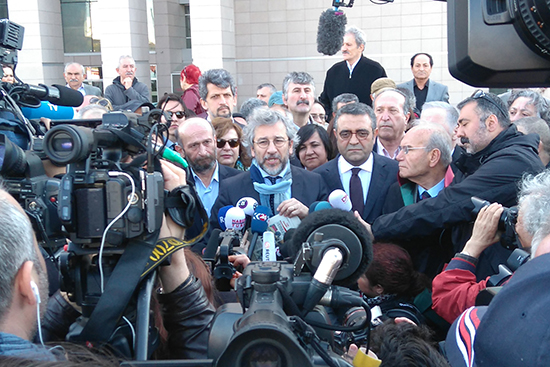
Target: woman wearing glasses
230, 151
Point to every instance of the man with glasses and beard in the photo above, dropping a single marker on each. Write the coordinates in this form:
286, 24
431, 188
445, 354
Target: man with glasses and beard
497, 156
272, 180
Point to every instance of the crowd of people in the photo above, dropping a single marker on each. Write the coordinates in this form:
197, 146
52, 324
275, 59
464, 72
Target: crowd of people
410, 164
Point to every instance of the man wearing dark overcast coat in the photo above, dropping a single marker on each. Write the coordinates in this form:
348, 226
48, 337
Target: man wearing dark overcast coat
497, 158
353, 75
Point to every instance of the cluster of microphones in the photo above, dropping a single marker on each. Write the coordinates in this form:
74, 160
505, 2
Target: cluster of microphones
251, 222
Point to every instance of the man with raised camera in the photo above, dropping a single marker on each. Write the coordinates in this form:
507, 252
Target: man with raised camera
186, 310
456, 288
497, 158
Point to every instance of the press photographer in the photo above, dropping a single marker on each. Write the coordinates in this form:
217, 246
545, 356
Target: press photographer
456, 288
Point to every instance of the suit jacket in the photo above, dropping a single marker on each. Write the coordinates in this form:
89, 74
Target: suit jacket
224, 173
436, 91
384, 174
307, 187
91, 90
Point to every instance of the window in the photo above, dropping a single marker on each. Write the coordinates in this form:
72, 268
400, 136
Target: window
187, 26
154, 91
151, 25
76, 18
94, 76
4, 9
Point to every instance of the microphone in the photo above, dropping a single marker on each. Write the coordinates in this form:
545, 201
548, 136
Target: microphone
339, 229
50, 111
331, 30
258, 225
57, 94
322, 205
340, 200
235, 219
221, 216
247, 204
323, 277
268, 251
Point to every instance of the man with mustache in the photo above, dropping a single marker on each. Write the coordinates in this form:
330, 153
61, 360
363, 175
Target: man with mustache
299, 96
497, 158
424, 89
392, 109
218, 93
275, 183
74, 75
126, 88
353, 75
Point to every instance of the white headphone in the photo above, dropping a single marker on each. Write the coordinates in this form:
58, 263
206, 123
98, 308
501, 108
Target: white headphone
36, 292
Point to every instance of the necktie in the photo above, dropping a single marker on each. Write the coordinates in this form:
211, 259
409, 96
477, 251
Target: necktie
425, 195
272, 196
356, 191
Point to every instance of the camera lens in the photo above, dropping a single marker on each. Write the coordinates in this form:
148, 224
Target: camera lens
531, 19
68, 144
263, 354
13, 162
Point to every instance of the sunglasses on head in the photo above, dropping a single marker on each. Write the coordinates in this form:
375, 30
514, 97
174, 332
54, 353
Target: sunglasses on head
179, 114
233, 143
481, 94
100, 101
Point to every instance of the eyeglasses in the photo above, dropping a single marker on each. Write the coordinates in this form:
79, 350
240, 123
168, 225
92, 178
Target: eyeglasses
481, 94
179, 114
406, 149
360, 134
233, 143
101, 101
278, 142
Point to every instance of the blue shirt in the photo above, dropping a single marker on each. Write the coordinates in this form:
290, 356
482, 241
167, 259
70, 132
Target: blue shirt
434, 191
208, 195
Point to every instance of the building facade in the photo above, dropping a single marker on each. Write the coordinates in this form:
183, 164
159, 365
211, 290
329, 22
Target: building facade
257, 41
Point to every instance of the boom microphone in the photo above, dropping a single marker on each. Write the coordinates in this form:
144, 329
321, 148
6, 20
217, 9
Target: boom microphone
331, 30
57, 94
323, 277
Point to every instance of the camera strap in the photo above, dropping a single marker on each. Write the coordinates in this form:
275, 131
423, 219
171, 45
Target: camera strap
119, 289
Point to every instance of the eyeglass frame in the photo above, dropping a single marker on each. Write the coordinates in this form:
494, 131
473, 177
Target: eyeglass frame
480, 94
277, 142
356, 133
171, 113
406, 149
220, 143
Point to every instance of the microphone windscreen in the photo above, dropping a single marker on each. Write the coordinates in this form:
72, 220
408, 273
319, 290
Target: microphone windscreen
212, 246
323, 205
49, 111
221, 216
235, 219
340, 200
269, 252
247, 204
330, 33
339, 225
260, 219
313, 206
67, 97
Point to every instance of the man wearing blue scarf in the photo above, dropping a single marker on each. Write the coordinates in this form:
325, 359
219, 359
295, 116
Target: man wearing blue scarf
283, 188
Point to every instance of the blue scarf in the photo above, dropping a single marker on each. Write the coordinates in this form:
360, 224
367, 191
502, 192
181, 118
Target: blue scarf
278, 190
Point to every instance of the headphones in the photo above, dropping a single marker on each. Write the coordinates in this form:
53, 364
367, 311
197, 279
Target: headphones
34, 288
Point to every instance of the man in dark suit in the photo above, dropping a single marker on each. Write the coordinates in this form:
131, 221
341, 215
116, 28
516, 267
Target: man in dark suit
423, 172
271, 180
353, 75
364, 176
197, 144
424, 89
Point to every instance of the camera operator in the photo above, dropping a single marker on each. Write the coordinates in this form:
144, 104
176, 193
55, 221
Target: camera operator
455, 289
186, 311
